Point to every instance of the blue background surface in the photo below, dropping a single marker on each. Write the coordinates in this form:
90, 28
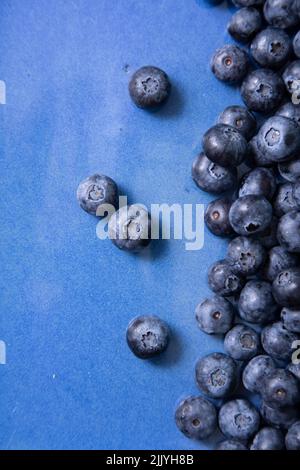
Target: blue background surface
65, 296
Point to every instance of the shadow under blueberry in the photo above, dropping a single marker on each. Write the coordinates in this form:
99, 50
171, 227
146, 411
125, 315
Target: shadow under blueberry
172, 354
173, 107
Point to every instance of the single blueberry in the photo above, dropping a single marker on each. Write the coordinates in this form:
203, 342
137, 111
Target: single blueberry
281, 418
238, 419
242, 343
216, 375
149, 87
291, 319
217, 217
147, 336
278, 259
245, 24
271, 48
196, 418
96, 191
211, 177
231, 444
278, 139
292, 439
225, 145
278, 342
290, 111
296, 44
240, 118
223, 280
288, 232
230, 63
291, 78
215, 315
268, 439
281, 389
284, 200
130, 228
249, 215
256, 371
262, 90
246, 254
256, 303
281, 13
260, 181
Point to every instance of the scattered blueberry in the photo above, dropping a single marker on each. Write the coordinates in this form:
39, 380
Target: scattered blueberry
281, 418
149, 87
291, 78
231, 444
96, 191
256, 303
217, 217
212, 177
271, 48
290, 111
249, 215
280, 13
284, 200
290, 170
278, 342
281, 389
230, 63
260, 182
262, 90
147, 336
291, 319
245, 24
292, 439
216, 375
240, 118
246, 254
242, 343
268, 439
256, 371
288, 232
225, 145
278, 259
130, 228
215, 315
223, 280
196, 418
238, 419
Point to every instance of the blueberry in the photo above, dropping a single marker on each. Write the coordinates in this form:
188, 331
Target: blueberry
225, 145
238, 419
242, 343
240, 118
246, 254
291, 319
196, 418
296, 44
249, 215
217, 217
290, 111
291, 78
279, 139
281, 389
294, 369
278, 342
96, 191
268, 439
262, 90
216, 375
211, 177
280, 13
223, 280
230, 63
271, 48
147, 336
149, 87
231, 444
268, 238
278, 259
257, 157
281, 418
288, 232
290, 171
286, 287
256, 371
292, 439
296, 193
284, 200
130, 228
215, 315
245, 23
256, 303
260, 181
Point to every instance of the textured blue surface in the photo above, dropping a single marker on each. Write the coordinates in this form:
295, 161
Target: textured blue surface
66, 297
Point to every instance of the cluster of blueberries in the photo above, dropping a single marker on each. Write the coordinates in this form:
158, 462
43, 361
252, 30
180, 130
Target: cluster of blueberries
258, 161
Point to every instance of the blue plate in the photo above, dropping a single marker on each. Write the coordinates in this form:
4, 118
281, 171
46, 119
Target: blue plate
70, 381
